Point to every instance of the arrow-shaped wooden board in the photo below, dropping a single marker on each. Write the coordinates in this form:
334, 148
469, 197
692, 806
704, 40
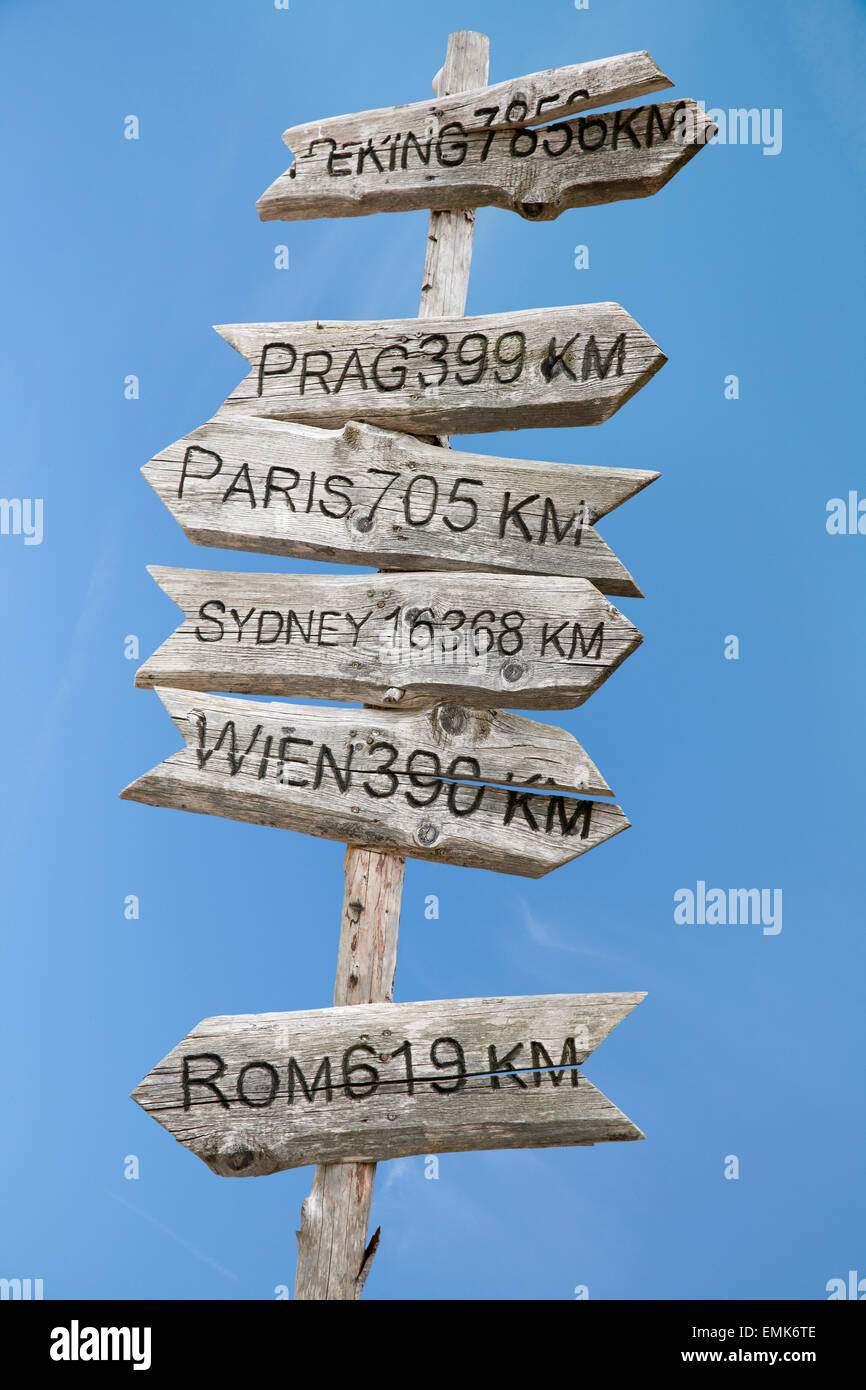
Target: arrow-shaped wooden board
365, 496
403, 159
540, 97
529, 368
415, 785
257, 1093
483, 639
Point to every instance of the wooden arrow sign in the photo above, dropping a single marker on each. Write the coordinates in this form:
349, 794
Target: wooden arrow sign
365, 496
542, 96
425, 156
486, 639
414, 785
532, 367
258, 1093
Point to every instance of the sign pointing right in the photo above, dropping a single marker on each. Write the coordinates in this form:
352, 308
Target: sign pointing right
530, 368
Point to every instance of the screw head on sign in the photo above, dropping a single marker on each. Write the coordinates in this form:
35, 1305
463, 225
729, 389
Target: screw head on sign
427, 833
513, 671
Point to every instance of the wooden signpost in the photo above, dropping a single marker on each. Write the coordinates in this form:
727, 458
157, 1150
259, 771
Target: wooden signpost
407, 639
365, 496
258, 1093
448, 374
490, 592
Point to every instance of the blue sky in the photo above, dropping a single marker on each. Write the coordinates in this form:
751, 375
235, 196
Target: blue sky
116, 257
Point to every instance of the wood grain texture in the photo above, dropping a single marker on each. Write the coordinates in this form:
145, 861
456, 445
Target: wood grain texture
479, 639
572, 365
630, 152
360, 495
507, 747
333, 1254
504, 1093
302, 768
333, 1258
540, 96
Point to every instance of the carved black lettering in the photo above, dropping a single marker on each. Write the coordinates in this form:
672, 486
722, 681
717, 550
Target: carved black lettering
520, 801
567, 132
584, 126
284, 370
511, 512
324, 629
354, 361
476, 794
622, 125
342, 776
258, 1102
543, 1065
333, 491
357, 624
557, 805
555, 361
240, 623
271, 486
596, 638
335, 155
656, 118
411, 141
321, 1081
366, 152
264, 614
283, 759
504, 1066
592, 358
457, 148
205, 616
551, 639
383, 770
192, 452
236, 485
318, 375
292, 620
426, 516
550, 519
399, 373
209, 1082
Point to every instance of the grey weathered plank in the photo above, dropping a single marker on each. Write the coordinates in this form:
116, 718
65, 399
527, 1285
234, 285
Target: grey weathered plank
385, 783
508, 747
631, 152
481, 639
538, 97
365, 496
500, 1094
573, 365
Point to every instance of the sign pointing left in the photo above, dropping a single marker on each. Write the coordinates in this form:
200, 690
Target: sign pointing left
254, 1094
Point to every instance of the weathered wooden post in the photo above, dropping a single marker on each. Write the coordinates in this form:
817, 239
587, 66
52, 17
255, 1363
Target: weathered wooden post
492, 590
333, 1254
